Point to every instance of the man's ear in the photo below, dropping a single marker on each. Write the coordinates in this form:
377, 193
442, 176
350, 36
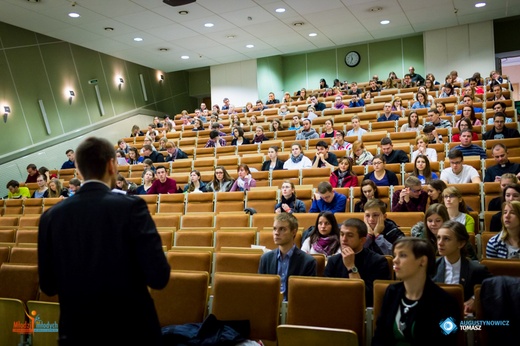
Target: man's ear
112, 166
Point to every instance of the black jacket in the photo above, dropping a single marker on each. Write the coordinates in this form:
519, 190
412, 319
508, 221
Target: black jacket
435, 305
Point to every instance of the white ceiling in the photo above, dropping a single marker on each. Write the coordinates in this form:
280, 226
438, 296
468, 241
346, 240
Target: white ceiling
336, 23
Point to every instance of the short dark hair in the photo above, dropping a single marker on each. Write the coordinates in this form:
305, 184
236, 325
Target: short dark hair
213, 134
75, 182
160, 167
69, 151
502, 104
499, 114
386, 140
147, 147
428, 128
433, 110
92, 157
31, 166
420, 247
360, 226
322, 144
455, 153
12, 183
324, 187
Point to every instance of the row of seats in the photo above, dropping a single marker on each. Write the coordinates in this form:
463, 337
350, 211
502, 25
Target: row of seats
186, 299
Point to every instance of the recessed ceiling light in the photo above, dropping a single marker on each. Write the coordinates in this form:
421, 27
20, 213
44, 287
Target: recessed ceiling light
480, 4
138, 39
163, 49
185, 57
280, 10
231, 36
74, 15
209, 25
298, 24
375, 9
384, 22
313, 34
109, 29
183, 13
250, 46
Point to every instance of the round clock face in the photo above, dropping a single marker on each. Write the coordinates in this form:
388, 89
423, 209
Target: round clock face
352, 59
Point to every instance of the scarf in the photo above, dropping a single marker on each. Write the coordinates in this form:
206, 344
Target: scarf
326, 245
290, 202
364, 159
341, 177
297, 159
241, 182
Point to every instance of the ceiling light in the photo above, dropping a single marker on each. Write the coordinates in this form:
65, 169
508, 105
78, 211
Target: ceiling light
375, 9
384, 22
231, 36
298, 24
250, 46
209, 25
313, 34
74, 15
480, 4
109, 29
138, 39
183, 13
164, 49
280, 10
185, 57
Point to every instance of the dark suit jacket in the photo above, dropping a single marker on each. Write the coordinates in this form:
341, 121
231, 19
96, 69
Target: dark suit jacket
301, 264
434, 306
371, 266
471, 273
99, 251
267, 164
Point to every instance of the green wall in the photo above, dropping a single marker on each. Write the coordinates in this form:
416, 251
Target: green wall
306, 70
35, 67
270, 77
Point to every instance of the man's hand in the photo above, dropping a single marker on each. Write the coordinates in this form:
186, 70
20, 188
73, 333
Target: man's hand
348, 256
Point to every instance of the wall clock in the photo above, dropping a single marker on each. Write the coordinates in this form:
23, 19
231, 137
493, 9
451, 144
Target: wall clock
352, 59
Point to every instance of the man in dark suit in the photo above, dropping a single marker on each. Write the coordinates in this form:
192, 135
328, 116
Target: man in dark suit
355, 261
287, 260
99, 252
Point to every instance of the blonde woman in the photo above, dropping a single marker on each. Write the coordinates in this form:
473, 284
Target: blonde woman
506, 244
457, 209
361, 156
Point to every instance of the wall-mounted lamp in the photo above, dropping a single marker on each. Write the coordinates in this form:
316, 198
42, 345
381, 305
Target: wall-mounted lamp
161, 78
121, 80
71, 93
7, 111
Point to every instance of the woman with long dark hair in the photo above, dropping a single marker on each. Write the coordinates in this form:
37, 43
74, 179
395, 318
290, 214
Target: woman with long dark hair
221, 182
368, 191
324, 238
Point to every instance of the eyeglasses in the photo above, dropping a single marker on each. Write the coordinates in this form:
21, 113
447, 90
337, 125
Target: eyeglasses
416, 191
449, 196
377, 163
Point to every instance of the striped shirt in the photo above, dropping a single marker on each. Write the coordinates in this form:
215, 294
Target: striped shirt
496, 247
